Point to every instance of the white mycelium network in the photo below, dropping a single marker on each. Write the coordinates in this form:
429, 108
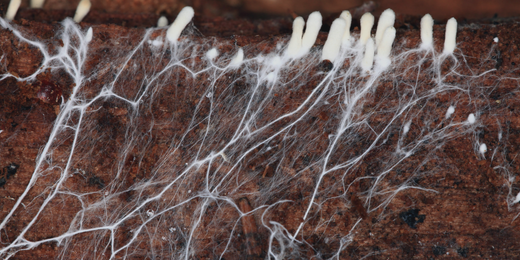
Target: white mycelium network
184, 130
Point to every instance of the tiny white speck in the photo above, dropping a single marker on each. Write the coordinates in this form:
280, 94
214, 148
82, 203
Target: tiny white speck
450, 111
495, 39
406, 127
189, 191
517, 199
483, 148
471, 119
149, 213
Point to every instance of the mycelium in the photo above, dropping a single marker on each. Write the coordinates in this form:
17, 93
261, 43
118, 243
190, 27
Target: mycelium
158, 144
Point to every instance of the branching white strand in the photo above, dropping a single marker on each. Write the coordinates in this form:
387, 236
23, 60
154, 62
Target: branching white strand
368, 58
451, 36
12, 9
237, 60
295, 43
162, 22
386, 20
37, 3
82, 10
367, 21
345, 15
385, 47
88, 36
311, 32
184, 17
333, 43
426, 31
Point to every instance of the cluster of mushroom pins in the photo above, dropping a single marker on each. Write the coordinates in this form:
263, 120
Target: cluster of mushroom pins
378, 47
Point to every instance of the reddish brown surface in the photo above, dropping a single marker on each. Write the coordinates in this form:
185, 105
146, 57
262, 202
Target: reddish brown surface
467, 218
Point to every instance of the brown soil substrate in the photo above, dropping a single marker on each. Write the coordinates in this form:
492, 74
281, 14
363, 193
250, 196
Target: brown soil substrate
467, 218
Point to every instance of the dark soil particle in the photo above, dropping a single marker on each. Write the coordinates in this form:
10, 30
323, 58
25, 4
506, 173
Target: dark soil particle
412, 217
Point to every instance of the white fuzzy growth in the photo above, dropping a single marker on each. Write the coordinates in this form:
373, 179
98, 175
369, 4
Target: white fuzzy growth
295, 44
368, 58
12, 9
82, 10
162, 22
237, 60
471, 119
367, 21
426, 31
386, 20
385, 46
212, 54
311, 32
450, 40
333, 43
88, 36
450, 112
37, 3
180, 23
271, 77
345, 15
482, 149
495, 39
